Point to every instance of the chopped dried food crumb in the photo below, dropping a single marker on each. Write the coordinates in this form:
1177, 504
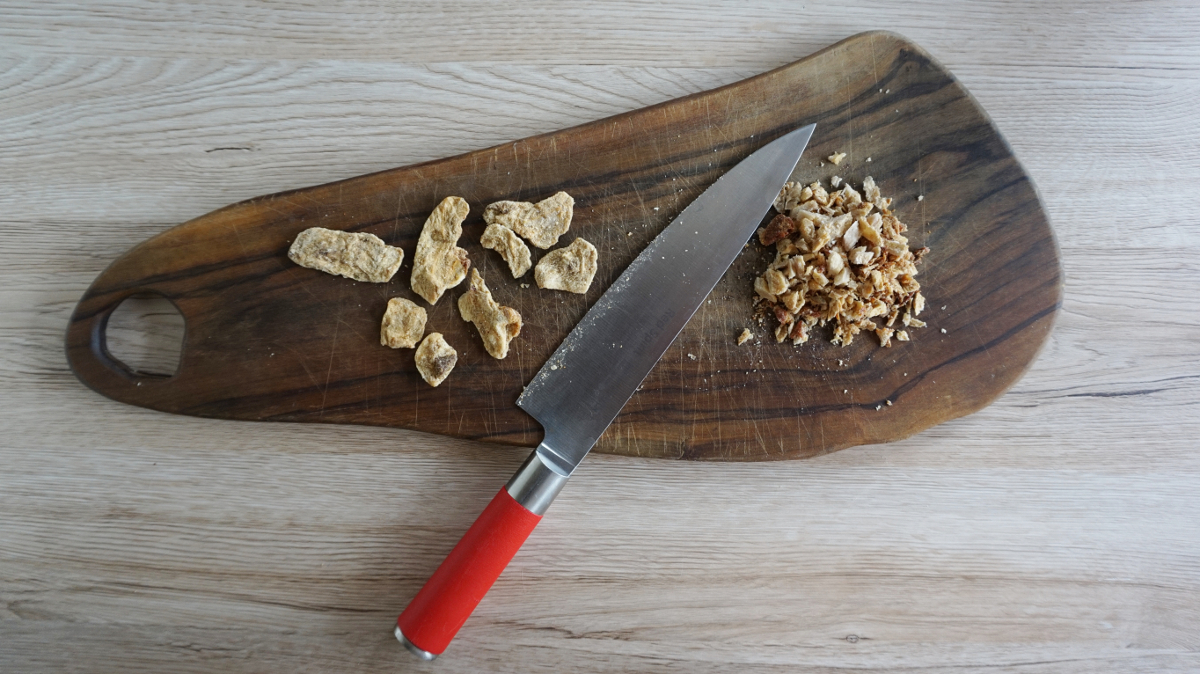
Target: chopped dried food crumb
744, 337
355, 255
837, 157
541, 223
510, 246
435, 358
439, 263
497, 325
570, 269
403, 324
841, 257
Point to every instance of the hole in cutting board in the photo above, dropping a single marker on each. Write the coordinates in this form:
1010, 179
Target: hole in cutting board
145, 332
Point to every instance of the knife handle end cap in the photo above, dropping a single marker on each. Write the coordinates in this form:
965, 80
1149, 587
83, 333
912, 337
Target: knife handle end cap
412, 648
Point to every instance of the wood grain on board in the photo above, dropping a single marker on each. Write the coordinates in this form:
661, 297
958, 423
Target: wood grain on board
268, 340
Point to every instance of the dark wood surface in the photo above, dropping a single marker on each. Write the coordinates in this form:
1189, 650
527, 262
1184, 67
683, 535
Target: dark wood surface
268, 340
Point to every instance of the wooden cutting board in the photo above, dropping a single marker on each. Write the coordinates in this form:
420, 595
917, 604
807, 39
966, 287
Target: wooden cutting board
268, 340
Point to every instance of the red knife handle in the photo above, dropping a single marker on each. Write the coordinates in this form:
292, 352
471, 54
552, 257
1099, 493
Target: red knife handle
446, 601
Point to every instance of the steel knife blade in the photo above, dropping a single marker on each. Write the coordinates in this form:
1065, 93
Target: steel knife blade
594, 372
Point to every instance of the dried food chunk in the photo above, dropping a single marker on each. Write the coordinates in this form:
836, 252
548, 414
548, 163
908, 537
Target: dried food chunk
780, 227
435, 358
439, 263
357, 255
403, 324
570, 269
846, 262
497, 325
837, 157
744, 337
510, 246
541, 223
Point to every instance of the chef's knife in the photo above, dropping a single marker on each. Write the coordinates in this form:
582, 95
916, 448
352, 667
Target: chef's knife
593, 373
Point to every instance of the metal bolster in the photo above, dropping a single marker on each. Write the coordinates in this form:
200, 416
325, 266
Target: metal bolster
536, 483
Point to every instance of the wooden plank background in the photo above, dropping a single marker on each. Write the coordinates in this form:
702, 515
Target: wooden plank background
1055, 531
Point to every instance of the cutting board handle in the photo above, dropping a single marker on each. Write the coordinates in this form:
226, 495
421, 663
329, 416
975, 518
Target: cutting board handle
89, 356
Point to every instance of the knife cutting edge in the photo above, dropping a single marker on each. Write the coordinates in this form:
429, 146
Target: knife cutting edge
594, 372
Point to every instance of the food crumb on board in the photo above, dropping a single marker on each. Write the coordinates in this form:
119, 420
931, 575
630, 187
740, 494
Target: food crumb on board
889, 403
836, 181
878, 407
943, 331
836, 158
920, 197
744, 337
692, 356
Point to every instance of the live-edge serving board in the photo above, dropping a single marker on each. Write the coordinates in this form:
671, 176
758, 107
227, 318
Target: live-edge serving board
269, 340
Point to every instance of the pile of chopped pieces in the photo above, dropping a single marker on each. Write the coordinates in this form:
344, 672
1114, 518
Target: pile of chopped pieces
841, 258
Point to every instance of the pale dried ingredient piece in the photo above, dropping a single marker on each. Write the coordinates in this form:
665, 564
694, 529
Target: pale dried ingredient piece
760, 287
541, 223
836, 181
355, 255
403, 324
861, 255
834, 262
776, 283
439, 263
570, 269
497, 325
918, 304
744, 337
836, 158
435, 358
510, 246
791, 196
871, 191
851, 237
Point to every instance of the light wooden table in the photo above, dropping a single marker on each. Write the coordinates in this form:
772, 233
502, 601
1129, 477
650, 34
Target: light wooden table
1056, 531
